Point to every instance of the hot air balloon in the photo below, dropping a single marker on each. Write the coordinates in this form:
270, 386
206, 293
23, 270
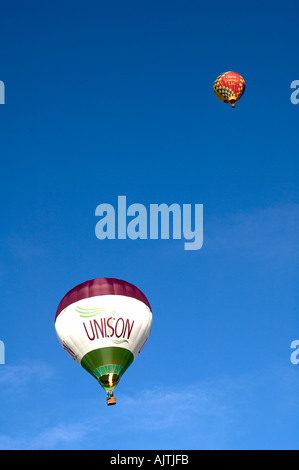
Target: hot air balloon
229, 87
103, 324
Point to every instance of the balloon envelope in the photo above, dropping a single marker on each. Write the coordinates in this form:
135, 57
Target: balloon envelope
103, 324
229, 87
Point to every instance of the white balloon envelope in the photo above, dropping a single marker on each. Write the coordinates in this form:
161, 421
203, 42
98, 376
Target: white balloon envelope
103, 324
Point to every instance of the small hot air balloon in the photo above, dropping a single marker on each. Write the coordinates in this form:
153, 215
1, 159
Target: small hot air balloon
103, 324
229, 87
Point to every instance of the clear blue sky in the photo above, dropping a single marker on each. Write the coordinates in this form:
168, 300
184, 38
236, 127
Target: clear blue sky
115, 98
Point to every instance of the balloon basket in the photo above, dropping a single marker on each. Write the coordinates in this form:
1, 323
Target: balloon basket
111, 401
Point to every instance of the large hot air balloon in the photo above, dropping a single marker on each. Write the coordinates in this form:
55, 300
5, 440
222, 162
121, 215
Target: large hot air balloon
229, 87
103, 325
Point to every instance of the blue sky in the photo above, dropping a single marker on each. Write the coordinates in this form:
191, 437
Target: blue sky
116, 99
